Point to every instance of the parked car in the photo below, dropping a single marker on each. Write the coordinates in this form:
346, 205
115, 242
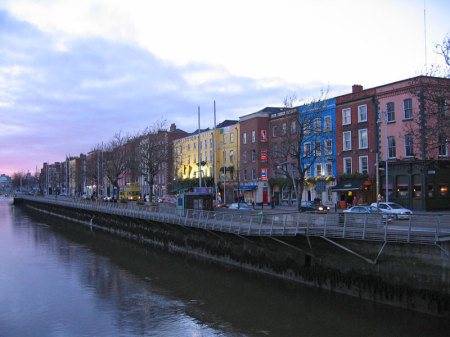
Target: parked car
106, 198
240, 206
311, 206
169, 199
398, 211
220, 205
368, 209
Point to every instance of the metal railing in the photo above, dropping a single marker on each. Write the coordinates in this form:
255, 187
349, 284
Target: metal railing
420, 229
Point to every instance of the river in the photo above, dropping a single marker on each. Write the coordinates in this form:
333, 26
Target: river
60, 279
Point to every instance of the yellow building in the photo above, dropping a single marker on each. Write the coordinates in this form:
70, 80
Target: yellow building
191, 150
186, 155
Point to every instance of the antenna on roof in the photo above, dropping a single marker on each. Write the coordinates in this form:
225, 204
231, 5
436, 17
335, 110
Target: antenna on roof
425, 32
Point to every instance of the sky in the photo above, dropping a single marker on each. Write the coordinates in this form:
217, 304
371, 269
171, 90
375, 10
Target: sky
75, 72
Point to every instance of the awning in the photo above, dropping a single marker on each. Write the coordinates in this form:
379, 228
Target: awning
350, 185
246, 187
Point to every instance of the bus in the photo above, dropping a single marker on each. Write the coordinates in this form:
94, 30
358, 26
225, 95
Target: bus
130, 191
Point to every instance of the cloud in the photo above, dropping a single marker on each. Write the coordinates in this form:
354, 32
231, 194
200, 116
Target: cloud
64, 97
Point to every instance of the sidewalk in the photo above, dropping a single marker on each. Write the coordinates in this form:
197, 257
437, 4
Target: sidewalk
293, 208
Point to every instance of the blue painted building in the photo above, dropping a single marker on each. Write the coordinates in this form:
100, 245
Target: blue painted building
318, 153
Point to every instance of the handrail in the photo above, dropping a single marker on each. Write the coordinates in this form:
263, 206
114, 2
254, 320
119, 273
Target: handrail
420, 229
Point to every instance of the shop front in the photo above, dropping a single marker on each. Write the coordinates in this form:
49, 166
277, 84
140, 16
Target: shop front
352, 192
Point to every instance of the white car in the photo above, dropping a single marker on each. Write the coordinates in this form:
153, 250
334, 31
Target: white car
398, 211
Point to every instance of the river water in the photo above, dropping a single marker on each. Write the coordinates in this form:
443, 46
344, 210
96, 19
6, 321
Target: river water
60, 279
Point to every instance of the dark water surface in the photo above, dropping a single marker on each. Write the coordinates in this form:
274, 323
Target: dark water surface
60, 279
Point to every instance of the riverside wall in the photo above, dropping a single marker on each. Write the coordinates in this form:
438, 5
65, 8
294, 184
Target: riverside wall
414, 277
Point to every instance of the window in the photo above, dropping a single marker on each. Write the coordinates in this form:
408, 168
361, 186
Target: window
329, 169
244, 156
224, 139
244, 138
364, 164
275, 131
293, 128
253, 174
348, 165
362, 113
363, 142
253, 155
317, 125
327, 124
307, 127
308, 172
443, 146
391, 147
318, 170
318, 148
195, 158
210, 155
231, 137
390, 109
189, 159
346, 116
284, 149
307, 149
189, 147
224, 157
245, 174
328, 147
283, 129
231, 156
210, 142
407, 109
409, 146
347, 140
293, 148
275, 150
442, 110
253, 136
206, 144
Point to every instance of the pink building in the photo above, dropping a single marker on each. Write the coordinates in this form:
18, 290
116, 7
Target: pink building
413, 135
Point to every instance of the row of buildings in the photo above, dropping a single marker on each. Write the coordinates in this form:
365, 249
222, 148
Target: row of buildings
389, 141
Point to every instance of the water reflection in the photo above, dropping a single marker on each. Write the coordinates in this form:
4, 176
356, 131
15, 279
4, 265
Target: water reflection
59, 279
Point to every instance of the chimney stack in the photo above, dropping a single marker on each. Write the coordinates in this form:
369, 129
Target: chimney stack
357, 88
173, 127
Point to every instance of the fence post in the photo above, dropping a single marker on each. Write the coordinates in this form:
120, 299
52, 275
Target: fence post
409, 230
365, 226
438, 228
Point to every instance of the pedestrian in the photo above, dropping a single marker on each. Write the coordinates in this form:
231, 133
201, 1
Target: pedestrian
253, 204
273, 203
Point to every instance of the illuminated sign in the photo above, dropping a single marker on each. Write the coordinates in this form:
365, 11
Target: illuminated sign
263, 135
263, 174
263, 155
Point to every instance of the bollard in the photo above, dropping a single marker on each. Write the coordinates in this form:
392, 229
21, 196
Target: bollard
260, 216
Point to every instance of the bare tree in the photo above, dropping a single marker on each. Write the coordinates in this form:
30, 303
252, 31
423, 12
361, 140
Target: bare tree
430, 129
300, 142
93, 165
117, 157
153, 153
